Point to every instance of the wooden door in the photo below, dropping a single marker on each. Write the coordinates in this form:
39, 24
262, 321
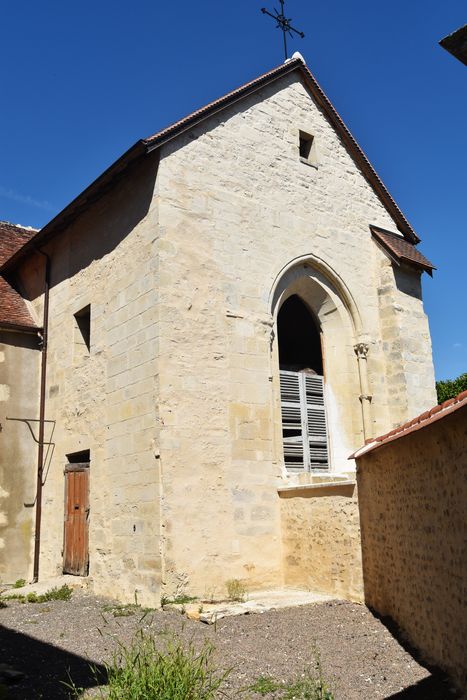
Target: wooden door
76, 530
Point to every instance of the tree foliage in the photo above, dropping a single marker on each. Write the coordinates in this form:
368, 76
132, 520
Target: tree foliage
449, 388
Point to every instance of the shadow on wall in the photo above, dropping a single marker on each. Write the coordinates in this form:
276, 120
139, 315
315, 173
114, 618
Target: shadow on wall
407, 282
45, 667
20, 340
96, 230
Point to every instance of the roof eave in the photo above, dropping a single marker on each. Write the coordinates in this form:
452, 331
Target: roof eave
153, 142
63, 218
20, 328
145, 146
326, 106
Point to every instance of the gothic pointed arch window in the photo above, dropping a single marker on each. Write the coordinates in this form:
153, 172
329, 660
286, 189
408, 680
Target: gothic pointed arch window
304, 428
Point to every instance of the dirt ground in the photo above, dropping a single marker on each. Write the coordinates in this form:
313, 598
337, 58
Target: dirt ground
360, 657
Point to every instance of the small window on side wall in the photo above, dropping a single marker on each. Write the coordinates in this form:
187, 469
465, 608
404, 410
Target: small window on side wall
82, 457
307, 148
83, 332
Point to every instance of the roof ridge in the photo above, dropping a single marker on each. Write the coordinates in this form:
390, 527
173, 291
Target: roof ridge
285, 67
24, 228
144, 146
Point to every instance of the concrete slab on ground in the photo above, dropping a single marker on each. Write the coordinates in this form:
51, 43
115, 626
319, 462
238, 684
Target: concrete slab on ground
256, 603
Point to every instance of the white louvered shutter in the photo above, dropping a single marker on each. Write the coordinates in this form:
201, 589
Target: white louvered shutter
316, 421
303, 421
292, 427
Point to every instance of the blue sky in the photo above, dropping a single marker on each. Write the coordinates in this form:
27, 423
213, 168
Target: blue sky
80, 82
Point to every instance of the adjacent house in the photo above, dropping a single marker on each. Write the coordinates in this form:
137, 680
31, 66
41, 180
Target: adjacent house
212, 328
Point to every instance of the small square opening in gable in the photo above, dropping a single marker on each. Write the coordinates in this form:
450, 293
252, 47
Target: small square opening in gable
307, 148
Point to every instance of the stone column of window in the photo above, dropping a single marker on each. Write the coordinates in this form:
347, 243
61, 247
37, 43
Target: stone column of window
361, 351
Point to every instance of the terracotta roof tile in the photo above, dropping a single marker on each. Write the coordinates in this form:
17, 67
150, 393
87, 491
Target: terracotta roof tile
12, 238
13, 309
400, 249
426, 418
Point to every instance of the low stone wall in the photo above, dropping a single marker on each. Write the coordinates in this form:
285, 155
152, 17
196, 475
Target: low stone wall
413, 496
321, 539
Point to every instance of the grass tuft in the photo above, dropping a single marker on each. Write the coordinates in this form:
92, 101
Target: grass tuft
310, 686
143, 671
63, 593
181, 599
264, 685
235, 590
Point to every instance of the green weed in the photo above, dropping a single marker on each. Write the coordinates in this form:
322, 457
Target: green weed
181, 599
264, 685
19, 583
63, 593
235, 590
142, 671
310, 686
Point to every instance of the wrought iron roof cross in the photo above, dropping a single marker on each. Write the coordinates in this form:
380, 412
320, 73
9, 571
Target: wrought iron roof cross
283, 23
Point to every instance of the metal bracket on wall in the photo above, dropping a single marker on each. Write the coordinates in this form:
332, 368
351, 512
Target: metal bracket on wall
33, 420
50, 447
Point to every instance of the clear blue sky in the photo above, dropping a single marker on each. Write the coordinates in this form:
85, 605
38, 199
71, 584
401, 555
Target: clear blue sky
80, 82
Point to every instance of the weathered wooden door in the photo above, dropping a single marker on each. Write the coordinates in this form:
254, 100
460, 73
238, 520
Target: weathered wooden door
76, 530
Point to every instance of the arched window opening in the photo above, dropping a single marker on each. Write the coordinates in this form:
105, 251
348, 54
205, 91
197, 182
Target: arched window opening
299, 338
304, 427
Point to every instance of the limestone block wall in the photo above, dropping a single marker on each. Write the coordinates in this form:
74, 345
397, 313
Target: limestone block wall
406, 342
19, 398
237, 207
412, 496
321, 539
104, 399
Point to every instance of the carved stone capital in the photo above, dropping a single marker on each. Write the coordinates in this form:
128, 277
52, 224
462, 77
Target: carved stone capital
361, 350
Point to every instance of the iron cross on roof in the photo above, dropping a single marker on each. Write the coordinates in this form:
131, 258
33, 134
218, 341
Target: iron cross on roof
283, 23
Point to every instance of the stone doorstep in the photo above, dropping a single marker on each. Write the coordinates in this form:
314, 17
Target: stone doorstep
258, 602
42, 586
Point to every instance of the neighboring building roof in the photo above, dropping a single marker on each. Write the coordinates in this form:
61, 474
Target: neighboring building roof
12, 238
145, 146
400, 250
421, 421
14, 313
456, 44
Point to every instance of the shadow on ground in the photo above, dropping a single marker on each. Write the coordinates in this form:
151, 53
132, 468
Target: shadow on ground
436, 687
432, 688
45, 667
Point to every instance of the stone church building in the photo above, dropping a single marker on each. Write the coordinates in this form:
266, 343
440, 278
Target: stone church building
191, 350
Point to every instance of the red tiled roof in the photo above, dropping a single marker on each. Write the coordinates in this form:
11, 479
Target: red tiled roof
144, 146
12, 238
421, 421
13, 310
14, 313
400, 249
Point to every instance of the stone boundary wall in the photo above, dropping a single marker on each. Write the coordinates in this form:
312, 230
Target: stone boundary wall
321, 539
412, 499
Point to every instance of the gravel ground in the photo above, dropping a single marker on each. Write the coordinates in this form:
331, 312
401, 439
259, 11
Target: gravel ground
360, 657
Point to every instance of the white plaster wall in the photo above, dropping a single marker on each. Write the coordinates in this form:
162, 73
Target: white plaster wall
19, 398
